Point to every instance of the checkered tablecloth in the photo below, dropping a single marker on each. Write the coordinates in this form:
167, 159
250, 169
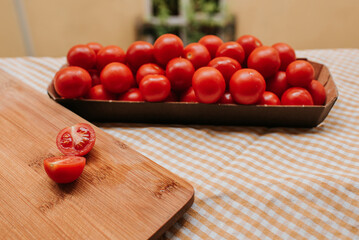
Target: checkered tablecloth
254, 182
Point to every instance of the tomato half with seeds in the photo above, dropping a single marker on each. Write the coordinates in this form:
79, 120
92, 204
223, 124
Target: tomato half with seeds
77, 140
64, 169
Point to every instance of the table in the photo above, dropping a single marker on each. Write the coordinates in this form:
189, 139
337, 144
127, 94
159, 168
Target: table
253, 182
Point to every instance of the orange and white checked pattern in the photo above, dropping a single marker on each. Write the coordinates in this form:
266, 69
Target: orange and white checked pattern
254, 182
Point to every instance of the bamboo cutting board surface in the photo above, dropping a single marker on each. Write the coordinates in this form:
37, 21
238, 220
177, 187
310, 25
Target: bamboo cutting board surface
120, 195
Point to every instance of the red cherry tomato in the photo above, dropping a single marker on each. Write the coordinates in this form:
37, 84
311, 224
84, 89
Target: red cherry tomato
64, 169
117, 78
317, 90
247, 86
286, 55
208, 84
296, 96
227, 66
249, 43
212, 43
81, 56
180, 72
76, 140
95, 76
72, 82
110, 54
227, 98
231, 49
172, 97
265, 60
269, 98
189, 96
155, 88
98, 92
132, 95
166, 47
139, 53
300, 73
197, 54
278, 83
96, 47
148, 69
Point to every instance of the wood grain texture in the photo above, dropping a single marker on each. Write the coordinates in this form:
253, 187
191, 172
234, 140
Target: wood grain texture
120, 195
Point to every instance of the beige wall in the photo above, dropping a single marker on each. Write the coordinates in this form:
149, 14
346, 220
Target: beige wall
56, 25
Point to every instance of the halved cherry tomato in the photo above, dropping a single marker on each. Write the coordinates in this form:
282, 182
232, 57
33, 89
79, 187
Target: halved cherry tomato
180, 72
269, 98
98, 92
265, 60
155, 88
96, 47
148, 69
317, 90
212, 43
132, 95
249, 43
76, 140
189, 96
300, 73
296, 96
233, 50
139, 53
197, 54
81, 56
110, 54
117, 78
64, 169
226, 65
286, 54
166, 47
278, 83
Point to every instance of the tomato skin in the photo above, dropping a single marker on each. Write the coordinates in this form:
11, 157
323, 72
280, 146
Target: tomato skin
148, 69
227, 66
81, 56
208, 84
180, 72
212, 43
98, 92
317, 90
197, 54
233, 50
189, 96
139, 53
132, 95
96, 47
227, 98
265, 60
72, 82
249, 43
247, 86
77, 140
172, 97
95, 76
166, 47
278, 83
64, 169
269, 98
155, 88
300, 73
110, 54
296, 96
286, 55
117, 78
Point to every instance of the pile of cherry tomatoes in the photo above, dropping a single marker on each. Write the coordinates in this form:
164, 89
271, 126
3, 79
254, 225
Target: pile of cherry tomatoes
209, 71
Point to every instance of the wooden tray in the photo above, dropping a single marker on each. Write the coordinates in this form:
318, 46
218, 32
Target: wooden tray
120, 195
196, 113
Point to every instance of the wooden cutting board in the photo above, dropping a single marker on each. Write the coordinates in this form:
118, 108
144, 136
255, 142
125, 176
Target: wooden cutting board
120, 195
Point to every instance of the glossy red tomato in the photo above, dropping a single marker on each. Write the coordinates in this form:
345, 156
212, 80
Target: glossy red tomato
278, 83
265, 60
286, 55
300, 73
98, 92
81, 56
227, 98
317, 90
296, 96
76, 140
180, 72
96, 47
197, 54
110, 54
132, 95
155, 88
172, 97
95, 76
139, 53
189, 96
249, 43
269, 98
148, 69
64, 169
233, 50
247, 86
72, 82
117, 78
212, 43
227, 66
166, 47
208, 85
